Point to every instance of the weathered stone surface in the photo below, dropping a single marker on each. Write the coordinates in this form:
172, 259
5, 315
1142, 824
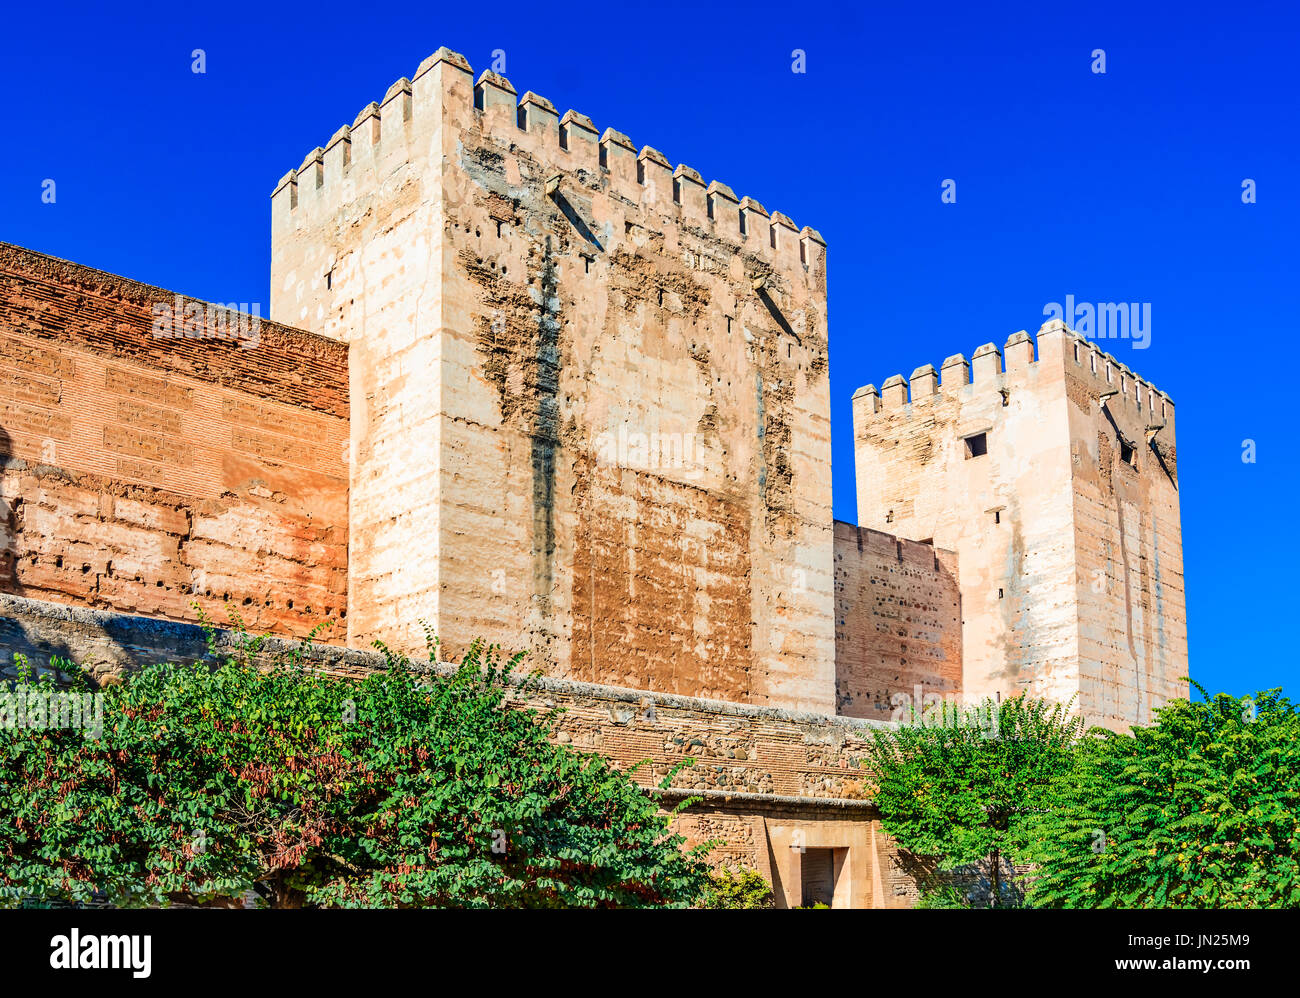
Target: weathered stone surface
897, 623
145, 472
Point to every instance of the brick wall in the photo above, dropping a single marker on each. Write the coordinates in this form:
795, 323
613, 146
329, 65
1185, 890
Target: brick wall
143, 472
897, 621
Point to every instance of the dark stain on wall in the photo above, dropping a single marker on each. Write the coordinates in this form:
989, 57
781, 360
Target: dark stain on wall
545, 425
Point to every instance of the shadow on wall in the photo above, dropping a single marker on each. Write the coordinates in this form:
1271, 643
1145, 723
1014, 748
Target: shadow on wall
9, 511
972, 883
17, 636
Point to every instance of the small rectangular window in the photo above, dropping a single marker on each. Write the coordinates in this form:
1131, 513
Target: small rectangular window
1127, 454
977, 445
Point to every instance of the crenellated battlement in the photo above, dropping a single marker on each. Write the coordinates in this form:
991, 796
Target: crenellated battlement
991, 369
395, 132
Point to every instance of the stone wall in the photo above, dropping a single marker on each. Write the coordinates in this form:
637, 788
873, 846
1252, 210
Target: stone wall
781, 788
143, 470
897, 622
591, 389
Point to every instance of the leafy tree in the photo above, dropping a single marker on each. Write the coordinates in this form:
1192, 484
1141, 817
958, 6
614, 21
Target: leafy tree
1200, 810
398, 790
956, 785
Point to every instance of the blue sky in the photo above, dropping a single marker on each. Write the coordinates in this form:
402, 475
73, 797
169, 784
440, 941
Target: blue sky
1120, 187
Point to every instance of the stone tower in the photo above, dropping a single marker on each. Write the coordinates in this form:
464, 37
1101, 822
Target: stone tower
589, 394
1056, 482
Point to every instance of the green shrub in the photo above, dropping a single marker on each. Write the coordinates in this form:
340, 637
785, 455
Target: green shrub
1198, 811
398, 790
737, 888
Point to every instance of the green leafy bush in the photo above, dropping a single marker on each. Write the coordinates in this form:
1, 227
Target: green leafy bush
737, 888
398, 790
1201, 810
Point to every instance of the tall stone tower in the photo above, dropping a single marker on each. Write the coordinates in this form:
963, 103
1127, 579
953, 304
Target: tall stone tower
589, 394
1056, 482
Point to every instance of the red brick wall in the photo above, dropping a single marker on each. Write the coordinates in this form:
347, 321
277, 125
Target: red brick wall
897, 621
141, 473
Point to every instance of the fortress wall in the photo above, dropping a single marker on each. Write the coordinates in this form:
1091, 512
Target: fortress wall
142, 472
1008, 513
617, 400
1128, 538
897, 622
767, 780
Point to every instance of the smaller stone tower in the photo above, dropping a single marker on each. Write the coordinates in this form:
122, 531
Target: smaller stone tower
1056, 482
